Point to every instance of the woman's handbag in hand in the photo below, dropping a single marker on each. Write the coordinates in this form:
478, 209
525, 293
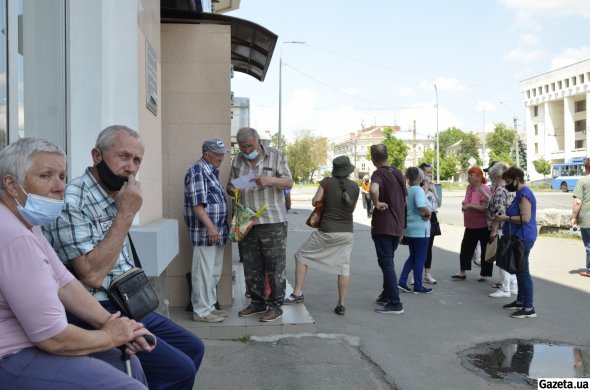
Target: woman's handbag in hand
510, 254
491, 249
132, 293
316, 215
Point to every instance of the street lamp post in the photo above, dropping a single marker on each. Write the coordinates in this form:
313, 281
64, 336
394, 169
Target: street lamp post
280, 134
515, 119
437, 146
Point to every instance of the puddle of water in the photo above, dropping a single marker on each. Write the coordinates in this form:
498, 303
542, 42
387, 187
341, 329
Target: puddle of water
527, 360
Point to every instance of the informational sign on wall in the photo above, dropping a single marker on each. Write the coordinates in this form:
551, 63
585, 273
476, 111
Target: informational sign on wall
151, 79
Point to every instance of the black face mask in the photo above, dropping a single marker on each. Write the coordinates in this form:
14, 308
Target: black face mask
111, 181
510, 187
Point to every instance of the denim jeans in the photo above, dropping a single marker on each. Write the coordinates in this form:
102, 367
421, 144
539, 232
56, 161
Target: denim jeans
524, 280
586, 240
385, 247
418, 247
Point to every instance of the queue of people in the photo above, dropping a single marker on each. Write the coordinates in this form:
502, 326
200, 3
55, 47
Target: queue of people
66, 318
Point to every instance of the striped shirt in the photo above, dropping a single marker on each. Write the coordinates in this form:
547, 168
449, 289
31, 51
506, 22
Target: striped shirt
201, 186
87, 215
271, 163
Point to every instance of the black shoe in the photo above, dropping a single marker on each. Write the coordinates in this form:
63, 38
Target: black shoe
459, 277
291, 299
513, 306
340, 310
522, 313
404, 288
381, 299
390, 309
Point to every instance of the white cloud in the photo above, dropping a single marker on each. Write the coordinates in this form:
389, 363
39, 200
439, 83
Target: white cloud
570, 56
445, 84
352, 90
407, 91
529, 39
522, 55
550, 7
484, 105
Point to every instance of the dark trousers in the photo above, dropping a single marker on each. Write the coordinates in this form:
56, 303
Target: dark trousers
264, 252
174, 363
385, 247
470, 239
368, 204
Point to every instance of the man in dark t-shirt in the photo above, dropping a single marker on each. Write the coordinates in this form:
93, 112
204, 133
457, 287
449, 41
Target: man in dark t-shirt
388, 193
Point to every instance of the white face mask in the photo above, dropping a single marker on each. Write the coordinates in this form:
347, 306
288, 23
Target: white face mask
40, 210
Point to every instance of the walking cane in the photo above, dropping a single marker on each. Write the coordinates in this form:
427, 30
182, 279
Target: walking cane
127, 359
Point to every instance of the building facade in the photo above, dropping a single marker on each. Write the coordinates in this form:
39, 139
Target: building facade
557, 106
162, 67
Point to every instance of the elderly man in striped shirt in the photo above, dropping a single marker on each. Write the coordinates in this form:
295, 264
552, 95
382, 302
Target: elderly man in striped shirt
263, 250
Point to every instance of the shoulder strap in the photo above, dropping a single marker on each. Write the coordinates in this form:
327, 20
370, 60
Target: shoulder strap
135, 257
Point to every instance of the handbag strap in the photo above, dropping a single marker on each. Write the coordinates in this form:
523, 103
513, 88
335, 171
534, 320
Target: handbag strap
521, 226
135, 257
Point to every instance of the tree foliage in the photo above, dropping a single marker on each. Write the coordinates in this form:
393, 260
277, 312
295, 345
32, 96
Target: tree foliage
468, 147
449, 165
396, 148
542, 166
274, 141
306, 154
501, 143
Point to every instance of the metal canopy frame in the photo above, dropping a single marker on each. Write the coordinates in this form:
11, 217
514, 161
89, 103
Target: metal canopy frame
252, 45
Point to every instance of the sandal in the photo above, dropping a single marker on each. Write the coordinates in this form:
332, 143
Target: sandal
291, 299
497, 285
340, 310
459, 277
585, 273
482, 279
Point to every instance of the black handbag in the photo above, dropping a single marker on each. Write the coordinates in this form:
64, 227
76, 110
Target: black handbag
510, 253
132, 292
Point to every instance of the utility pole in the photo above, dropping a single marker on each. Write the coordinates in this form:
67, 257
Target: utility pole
516, 143
414, 145
437, 147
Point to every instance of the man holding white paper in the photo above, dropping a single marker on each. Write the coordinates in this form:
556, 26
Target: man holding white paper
263, 250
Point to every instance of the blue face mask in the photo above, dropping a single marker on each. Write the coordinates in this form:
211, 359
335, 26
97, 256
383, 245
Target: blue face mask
252, 155
39, 210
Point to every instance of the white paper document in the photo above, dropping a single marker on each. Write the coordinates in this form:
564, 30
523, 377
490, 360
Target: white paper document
244, 182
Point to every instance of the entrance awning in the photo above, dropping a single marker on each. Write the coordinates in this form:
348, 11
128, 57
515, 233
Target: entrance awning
252, 45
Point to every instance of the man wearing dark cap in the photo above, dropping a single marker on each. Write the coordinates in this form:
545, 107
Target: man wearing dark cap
486, 170
205, 214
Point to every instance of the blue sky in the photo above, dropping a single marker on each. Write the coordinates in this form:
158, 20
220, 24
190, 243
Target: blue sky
377, 62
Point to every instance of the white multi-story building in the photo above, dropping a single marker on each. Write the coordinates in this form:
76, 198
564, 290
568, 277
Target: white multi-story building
557, 105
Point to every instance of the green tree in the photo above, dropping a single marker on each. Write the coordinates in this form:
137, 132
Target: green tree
306, 154
396, 148
274, 141
468, 146
449, 165
500, 142
542, 166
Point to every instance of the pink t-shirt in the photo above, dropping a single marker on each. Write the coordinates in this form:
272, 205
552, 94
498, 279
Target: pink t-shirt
474, 219
30, 277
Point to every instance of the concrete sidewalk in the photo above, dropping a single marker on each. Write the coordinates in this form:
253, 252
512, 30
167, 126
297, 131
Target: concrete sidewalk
417, 350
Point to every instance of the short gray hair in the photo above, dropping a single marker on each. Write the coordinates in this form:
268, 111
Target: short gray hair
414, 175
246, 132
497, 169
106, 137
15, 159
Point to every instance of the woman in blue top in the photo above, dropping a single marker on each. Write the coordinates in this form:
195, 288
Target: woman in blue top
417, 232
521, 218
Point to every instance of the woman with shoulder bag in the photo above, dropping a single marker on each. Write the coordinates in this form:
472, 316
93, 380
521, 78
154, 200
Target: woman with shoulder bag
433, 204
521, 222
329, 247
498, 202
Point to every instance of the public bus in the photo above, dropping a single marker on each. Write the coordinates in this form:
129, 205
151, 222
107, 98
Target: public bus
565, 176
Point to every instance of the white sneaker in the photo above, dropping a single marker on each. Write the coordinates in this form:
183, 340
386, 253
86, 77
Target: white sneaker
500, 294
208, 318
220, 313
429, 279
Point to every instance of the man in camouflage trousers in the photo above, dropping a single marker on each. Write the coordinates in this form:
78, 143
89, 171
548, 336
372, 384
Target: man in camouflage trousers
263, 250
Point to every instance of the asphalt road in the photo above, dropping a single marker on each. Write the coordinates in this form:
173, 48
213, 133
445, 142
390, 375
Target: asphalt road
545, 199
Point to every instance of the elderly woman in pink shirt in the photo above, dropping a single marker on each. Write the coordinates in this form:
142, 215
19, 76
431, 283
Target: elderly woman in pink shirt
474, 208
